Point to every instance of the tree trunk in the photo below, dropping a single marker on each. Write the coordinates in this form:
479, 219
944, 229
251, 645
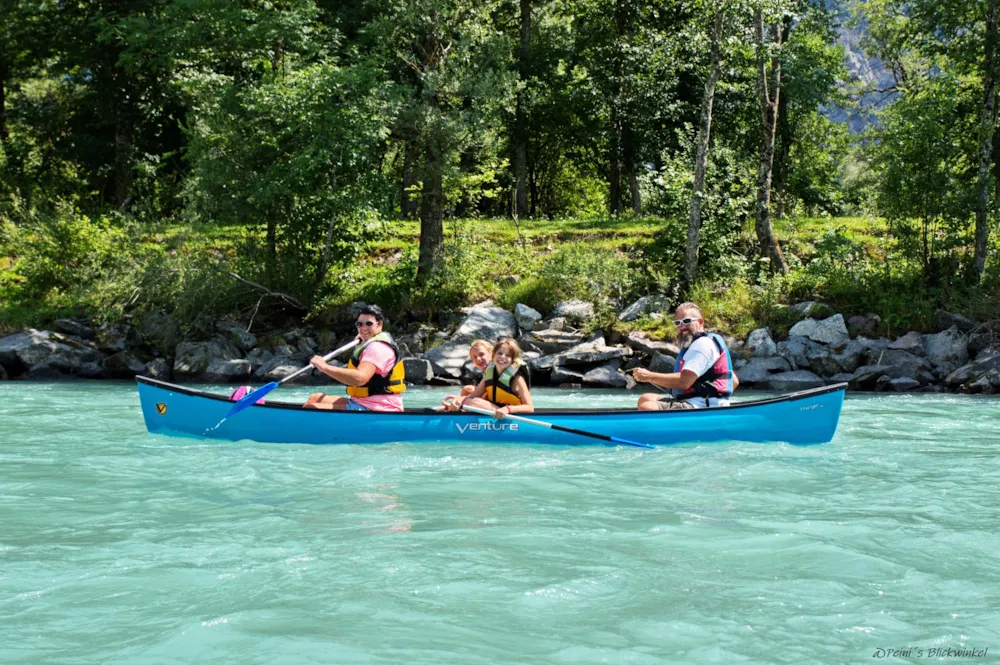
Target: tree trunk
701, 153
466, 163
407, 209
769, 95
4, 134
987, 129
521, 118
783, 142
431, 213
615, 166
629, 157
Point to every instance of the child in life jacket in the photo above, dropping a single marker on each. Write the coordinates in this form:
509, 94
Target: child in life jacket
504, 387
480, 353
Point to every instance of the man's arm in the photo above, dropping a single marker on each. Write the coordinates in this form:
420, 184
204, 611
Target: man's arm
679, 380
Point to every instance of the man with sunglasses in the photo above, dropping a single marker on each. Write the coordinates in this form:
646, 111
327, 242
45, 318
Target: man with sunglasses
374, 375
703, 373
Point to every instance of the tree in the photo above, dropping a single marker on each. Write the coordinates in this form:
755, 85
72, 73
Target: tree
717, 34
769, 90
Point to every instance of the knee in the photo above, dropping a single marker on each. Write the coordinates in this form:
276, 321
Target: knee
648, 406
314, 398
467, 390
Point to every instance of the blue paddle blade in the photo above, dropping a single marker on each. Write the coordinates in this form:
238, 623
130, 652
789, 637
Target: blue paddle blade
631, 443
250, 398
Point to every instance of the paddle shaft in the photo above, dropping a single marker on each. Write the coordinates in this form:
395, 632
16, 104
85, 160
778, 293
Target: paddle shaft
326, 358
560, 428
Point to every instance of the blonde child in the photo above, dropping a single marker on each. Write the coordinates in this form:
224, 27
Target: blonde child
504, 387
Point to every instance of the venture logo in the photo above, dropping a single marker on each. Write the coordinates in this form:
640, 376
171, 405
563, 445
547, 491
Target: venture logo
491, 426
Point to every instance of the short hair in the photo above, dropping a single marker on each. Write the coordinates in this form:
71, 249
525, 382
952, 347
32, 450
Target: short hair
689, 305
510, 343
483, 343
373, 310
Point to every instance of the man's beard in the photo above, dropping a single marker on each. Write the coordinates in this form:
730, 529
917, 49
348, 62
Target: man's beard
685, 338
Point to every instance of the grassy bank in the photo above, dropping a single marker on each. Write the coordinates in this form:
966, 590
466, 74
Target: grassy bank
107, 268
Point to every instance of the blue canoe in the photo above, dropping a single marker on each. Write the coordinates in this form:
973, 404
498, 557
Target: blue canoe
804, 417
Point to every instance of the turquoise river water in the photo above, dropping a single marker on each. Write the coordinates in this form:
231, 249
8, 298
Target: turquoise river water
117, 546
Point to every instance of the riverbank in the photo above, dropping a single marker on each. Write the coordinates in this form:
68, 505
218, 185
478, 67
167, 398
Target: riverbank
561, 346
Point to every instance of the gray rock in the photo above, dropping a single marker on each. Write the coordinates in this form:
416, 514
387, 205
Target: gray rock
259, 357
661, 363
117, 337
158, 368
760, 370
123, 365
900, 364
830, 360
760, 344
801, 310
561, 374
866, 376
639, 341
158, 329
554, 323
418, 370
235, 333
966, 374
643, 305
866, 323
911, 342
23, 351
987, 384
903, 384
576, 311
581, 354
794, 381
877, 344
222, 370
448, 359
843, 377
947, 351
804, 328
552, 341
606, 375
831, 330
947, 320
526, 317
490, 323
416, 341
206, 361
796, 350
982, 342
74, 328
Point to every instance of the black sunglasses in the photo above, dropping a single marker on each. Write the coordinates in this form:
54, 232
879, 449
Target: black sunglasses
364, 324
686, 320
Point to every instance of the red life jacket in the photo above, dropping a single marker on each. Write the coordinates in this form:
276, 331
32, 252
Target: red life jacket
718, 380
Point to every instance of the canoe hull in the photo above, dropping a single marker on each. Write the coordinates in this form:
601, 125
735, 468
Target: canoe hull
807, 417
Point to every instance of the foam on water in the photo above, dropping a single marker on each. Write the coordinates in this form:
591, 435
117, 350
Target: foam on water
121, 546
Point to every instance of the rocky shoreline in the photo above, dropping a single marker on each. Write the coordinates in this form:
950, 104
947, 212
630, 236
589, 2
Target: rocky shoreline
819, 350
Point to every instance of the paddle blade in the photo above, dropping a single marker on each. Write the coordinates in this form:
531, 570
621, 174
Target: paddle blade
250, 398
631, 443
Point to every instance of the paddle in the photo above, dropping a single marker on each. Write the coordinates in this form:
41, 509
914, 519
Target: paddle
560, 428
252, 397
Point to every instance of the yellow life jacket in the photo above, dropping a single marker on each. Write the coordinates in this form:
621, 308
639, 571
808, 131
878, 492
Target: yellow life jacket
391, 384
498, 388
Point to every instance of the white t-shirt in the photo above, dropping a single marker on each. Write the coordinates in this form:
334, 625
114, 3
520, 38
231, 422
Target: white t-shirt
699, 358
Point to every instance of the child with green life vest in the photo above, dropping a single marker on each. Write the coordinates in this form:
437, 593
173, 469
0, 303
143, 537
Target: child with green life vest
504, 386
